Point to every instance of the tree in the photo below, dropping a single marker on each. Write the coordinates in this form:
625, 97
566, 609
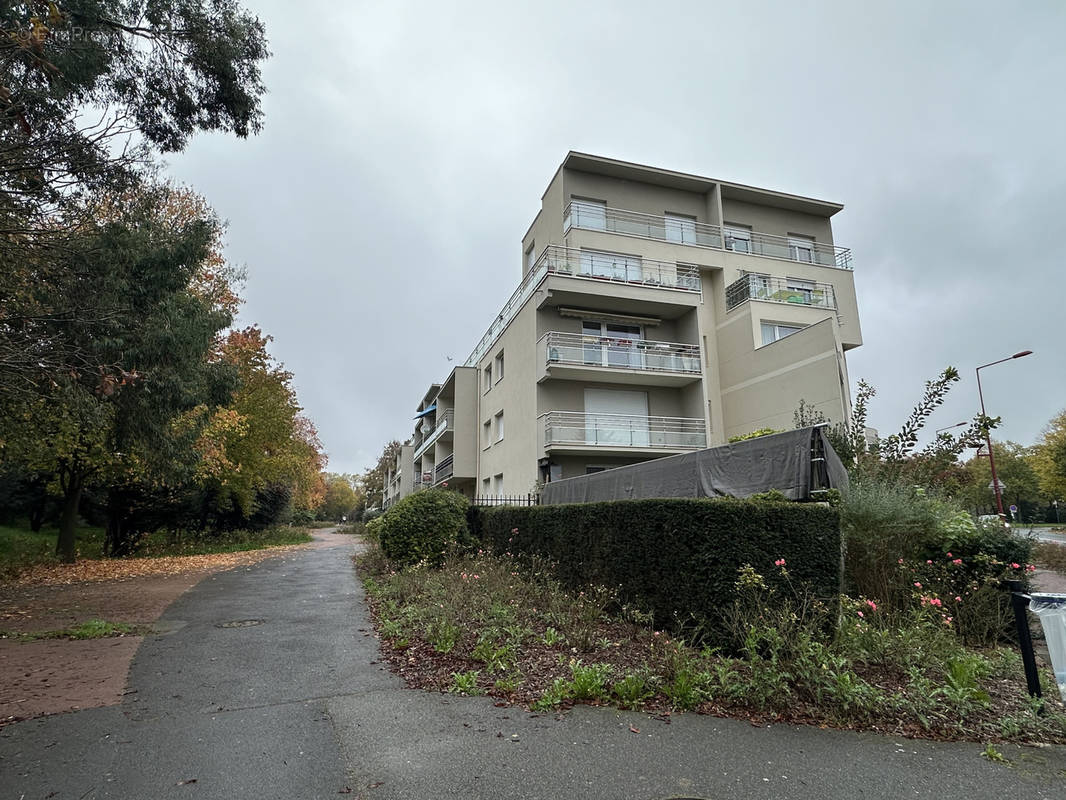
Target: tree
153, 73
262, 442
341, 498
134, 268
1014, 469
1049, 458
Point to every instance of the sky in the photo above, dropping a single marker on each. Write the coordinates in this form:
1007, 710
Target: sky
406, 145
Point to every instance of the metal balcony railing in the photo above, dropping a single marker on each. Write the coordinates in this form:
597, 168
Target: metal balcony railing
779, 290
568, 428
445, 421
587, 264
679, 230
621, 353
444, 469
620, 268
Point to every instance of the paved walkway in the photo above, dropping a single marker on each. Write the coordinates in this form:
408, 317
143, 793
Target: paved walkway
262, 685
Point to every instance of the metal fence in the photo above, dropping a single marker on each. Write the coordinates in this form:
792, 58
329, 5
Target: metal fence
507, 500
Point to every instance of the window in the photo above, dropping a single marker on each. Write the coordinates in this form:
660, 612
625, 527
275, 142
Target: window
589, 214
499, 427
802, 291
680, 228
486, 486
486, 434
531, 256
488, 377
759, 286
801, 248
773, 331
499, 366
609, 344
737, 237
498, 481
590, 470
616, 417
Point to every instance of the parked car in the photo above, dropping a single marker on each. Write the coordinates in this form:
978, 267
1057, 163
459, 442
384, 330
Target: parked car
993, 519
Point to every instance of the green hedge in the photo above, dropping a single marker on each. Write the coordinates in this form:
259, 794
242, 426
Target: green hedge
424, 526
677, 558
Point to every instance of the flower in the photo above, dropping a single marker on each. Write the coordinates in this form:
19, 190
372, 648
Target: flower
916, 583
1015, 565
1030, 567
956, 561
949, 555
872, 605
901, 561
947, 620
514, 530
958, 599
860, 613
928, 561
779, 563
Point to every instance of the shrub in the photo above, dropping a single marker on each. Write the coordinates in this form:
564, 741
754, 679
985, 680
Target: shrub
677, 558
424, 526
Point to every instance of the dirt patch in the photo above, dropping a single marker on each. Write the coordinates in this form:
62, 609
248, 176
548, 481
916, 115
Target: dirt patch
57, 675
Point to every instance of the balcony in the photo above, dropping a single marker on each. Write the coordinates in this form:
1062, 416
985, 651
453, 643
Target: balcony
581, 431
444, 469
575, 356
445, 422
592, 216
679, 230
779, 290
619, 268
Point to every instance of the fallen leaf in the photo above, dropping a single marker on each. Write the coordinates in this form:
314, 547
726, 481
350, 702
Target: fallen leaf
633, 729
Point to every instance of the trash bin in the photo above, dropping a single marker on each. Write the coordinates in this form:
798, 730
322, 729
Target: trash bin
1051, 608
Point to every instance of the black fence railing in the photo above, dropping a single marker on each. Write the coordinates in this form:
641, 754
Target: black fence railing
507, 500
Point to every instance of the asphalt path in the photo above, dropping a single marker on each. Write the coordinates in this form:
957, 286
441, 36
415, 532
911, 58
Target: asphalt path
264, 683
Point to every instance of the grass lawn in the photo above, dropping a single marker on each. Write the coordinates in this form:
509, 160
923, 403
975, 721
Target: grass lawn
21, 548
503, 627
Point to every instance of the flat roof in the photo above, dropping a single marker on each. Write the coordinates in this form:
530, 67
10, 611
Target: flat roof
627, 170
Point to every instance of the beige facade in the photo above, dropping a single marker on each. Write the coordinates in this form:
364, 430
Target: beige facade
658, 313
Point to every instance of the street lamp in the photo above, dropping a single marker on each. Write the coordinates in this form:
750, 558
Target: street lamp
988, 434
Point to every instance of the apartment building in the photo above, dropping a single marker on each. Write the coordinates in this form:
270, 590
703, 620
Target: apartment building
658, 313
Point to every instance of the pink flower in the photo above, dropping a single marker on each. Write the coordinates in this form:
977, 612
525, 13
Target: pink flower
1030, 567
949, 555
872, 605
514, 530
1015, 565
956, 561
901, 561
916, 583
928, 561
860, 613
779, 563
947, 620
933, 601
958, 599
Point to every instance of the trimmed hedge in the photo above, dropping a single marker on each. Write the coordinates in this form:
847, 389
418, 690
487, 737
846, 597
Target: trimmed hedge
676, 558
424, 526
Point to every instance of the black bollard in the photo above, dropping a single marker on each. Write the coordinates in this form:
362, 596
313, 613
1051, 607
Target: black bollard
1020, 603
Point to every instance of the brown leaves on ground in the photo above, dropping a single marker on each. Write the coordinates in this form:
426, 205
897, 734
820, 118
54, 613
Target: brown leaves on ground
119, 569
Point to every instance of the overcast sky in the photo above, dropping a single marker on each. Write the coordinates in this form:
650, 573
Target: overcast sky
407, 144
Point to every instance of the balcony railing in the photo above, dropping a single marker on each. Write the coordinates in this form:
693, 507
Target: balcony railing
620, 268
587, 264
779, 290
445, 420
444, 469
678, 230
621, 353
593, 429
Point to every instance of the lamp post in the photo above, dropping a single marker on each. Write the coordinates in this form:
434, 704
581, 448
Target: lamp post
988, 434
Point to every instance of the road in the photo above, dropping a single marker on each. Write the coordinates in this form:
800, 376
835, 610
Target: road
264, 683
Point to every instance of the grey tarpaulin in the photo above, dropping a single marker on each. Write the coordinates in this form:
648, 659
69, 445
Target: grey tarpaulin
791, 462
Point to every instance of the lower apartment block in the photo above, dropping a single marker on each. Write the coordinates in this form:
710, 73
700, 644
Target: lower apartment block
658, 313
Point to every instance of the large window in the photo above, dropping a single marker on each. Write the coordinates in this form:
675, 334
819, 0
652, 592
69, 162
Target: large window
499, 427
737, 237
772, 331
609, 344
801, 248
616, 417
803, 288
680, 228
